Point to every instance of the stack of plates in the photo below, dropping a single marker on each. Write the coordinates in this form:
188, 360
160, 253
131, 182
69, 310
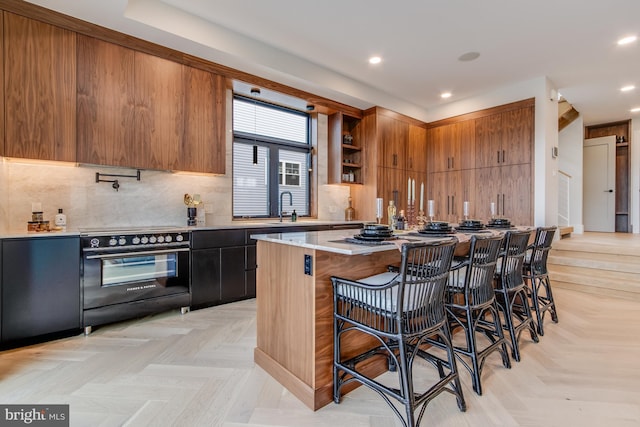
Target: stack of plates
499, 223
436, 228
375, 233
470, 225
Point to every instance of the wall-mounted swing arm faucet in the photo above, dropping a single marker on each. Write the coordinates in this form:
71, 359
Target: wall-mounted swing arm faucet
114, 182
290, 202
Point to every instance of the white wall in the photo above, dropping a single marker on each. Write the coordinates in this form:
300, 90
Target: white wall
546, 136
570, 146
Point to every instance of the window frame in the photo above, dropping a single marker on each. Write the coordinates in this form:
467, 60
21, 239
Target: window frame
274, 145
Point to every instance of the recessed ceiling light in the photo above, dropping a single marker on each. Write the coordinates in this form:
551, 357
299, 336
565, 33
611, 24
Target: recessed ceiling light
635, 110
627, 40
469, 56
375, 60
627, 88
445, 95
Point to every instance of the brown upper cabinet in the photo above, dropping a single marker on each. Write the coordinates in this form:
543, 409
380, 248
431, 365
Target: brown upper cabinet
39, 90
106, 103
504, 138
139, 110
417, 149
452, 146
392, 142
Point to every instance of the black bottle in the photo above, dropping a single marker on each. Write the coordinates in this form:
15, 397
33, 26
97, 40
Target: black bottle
400, 221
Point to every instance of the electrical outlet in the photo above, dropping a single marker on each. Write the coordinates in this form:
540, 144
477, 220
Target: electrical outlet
308, 264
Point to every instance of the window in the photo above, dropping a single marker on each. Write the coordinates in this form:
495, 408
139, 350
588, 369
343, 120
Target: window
271, 154
291, 175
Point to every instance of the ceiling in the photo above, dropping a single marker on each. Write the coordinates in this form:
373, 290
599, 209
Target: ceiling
322, 47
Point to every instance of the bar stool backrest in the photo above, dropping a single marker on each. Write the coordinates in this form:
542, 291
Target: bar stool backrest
511, 259
537, 259
424, 270
480, 270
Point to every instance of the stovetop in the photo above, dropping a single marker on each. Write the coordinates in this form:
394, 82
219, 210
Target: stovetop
134, 230
125, 238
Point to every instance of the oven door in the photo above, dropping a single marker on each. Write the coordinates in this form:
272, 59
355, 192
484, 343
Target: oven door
114, 278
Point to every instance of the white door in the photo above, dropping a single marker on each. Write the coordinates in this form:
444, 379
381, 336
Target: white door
599, 184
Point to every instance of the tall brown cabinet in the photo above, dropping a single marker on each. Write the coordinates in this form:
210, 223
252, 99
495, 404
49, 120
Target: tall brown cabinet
394, 151
483, 157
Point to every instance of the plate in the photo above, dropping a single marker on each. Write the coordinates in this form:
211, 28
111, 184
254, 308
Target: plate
461, 228
373, 238
436, 232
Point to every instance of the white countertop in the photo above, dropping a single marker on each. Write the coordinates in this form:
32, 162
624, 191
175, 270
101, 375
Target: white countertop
236, 225
333, 241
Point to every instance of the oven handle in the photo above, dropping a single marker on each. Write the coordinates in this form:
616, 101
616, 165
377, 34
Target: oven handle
123, 254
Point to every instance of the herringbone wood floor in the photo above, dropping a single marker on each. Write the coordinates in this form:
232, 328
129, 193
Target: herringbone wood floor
197, 370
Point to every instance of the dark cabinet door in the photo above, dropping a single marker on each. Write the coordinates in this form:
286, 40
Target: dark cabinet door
40, 286
251, 264
232, 273
205, 277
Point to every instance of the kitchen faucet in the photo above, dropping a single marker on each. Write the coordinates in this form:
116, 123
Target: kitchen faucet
290, 201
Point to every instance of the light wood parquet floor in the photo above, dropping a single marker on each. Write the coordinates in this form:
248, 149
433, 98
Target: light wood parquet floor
197, 370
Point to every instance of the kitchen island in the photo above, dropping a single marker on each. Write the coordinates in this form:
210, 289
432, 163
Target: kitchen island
295, 305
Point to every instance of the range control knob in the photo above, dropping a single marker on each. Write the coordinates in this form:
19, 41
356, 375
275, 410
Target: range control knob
160, 239
113, 241
179, 238
152, 239
94, 242
122, 241
168, 238
144, 240
135, 240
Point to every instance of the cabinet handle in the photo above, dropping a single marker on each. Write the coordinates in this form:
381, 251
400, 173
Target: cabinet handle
502, 156
395, 160
452, 160
410, 162
448, 162
453, 205
448, 210
498, 153
498, 202
503, 214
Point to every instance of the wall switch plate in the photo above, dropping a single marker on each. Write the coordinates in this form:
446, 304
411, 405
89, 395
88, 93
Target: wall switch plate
308, 265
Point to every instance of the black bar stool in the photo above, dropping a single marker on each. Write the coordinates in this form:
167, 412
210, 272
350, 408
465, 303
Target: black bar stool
537, 276
472, 306
400, 310
511, 294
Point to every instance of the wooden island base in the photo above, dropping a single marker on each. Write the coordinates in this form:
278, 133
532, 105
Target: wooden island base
295, 316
